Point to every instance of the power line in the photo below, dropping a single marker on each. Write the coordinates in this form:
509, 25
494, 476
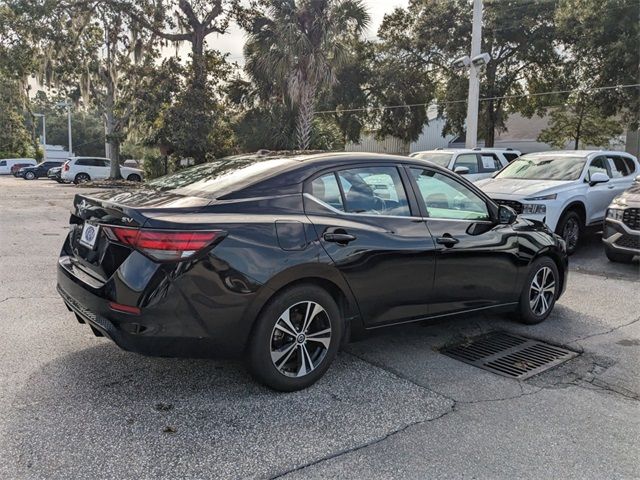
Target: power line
484, 99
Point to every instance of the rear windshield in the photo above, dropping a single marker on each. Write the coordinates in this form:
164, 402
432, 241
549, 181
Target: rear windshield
219, 177
439, 158
544, 167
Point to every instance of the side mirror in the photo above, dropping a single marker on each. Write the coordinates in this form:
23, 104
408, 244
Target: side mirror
506, 215
461, 170
597, 178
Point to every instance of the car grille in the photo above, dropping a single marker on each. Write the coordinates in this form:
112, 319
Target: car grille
517, 206
629, 241
631, 218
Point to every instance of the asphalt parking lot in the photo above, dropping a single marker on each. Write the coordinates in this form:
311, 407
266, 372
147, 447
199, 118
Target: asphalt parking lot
75, 406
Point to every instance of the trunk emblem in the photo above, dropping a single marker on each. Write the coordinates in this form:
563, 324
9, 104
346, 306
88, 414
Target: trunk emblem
127, 219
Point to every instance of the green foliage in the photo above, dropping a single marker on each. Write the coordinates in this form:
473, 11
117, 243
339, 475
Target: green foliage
580, 123
294, 49
15, 140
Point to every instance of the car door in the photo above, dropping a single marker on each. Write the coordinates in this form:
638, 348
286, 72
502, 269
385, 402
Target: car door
477, 258
471, 162
599, 196
102, 168
369, 224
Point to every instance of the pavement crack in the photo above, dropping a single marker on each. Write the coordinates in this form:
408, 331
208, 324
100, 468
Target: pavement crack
356, 448
606, 332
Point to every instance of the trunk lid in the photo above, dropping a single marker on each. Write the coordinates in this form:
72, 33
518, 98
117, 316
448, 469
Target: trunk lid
122, 209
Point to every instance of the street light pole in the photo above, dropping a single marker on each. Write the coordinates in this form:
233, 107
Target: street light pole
69, 128
474, 81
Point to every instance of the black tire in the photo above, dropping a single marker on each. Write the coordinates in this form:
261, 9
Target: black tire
267, 338
617, 256
81, 178
29, 176
134, 178
570, 227
529, 310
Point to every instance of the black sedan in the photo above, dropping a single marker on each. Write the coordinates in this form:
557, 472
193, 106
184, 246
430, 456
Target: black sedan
40, 170
282, 260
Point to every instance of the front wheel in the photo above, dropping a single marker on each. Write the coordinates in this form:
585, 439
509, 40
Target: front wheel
29, 176
570, 229
295, 339
539, 292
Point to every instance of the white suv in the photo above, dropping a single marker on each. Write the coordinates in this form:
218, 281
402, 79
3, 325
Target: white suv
475, 164
83, 169
567, 190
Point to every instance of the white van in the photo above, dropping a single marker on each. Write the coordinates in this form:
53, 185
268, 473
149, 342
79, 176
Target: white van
7, 163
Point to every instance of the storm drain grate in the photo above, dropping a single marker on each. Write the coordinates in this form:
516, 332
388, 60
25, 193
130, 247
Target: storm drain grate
509, 355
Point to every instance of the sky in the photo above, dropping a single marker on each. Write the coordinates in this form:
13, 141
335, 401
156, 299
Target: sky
233, 41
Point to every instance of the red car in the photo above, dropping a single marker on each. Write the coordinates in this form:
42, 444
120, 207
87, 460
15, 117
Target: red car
16, 168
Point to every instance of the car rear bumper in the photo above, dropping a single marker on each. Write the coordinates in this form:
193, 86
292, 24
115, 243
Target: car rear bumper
620, 238
179, 321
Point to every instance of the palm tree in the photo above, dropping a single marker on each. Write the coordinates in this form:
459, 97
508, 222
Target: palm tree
295, 47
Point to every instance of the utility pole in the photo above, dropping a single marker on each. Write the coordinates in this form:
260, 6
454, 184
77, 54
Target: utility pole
67, 104
474, 80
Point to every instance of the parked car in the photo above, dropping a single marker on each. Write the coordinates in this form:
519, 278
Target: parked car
132, 163
84, 169
567, 190
55, 173
283, 259
16, 167
621, 235
475, 164
39, 170
7, 164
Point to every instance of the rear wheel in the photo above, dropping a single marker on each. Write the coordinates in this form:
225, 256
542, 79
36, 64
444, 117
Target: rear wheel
81, 178
29, 176
539, 292
295, 339
570, 228
134, 178
617, 256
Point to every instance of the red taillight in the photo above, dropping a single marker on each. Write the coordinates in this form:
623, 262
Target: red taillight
65, 167
164, 244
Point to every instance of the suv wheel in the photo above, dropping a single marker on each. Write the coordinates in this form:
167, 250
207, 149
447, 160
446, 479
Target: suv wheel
570, 229
538, 295
295, 339
81, 178
134, 178
29, 176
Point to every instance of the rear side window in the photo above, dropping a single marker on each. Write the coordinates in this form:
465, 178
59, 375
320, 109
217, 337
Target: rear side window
326, 189
84, 162
619, 168
510, 156
3, 163
468, 160
490, 162
374, 190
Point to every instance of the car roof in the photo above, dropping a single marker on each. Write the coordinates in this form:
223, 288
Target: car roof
81, 158
579, 153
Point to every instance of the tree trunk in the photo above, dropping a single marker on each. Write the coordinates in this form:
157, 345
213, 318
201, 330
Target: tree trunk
490, 127
113, 143
304, 121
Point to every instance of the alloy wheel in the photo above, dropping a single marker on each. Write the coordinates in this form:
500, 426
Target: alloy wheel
542, 291
570, 233
300, 339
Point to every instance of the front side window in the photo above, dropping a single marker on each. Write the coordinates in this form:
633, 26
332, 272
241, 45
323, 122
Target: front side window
544, 167
374, 190
467, 160
598, 165
3, 163
446, 198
